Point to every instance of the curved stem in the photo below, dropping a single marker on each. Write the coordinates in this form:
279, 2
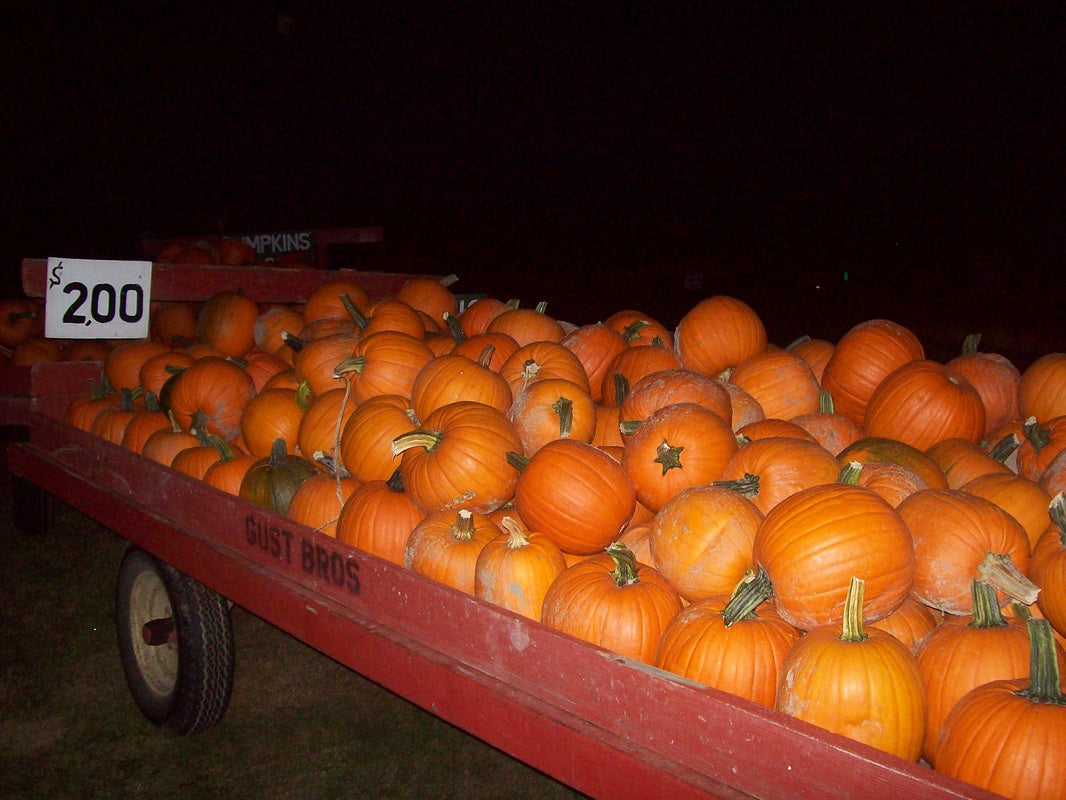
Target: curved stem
986, 613
625, 564
851, 628
418, 438
998, 571
516, 534
747, 596
1045, 684
748, 486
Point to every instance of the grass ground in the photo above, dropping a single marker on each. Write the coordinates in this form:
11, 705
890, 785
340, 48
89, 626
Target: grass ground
298, 724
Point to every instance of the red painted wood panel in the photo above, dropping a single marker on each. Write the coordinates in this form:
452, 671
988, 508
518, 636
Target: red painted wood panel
432, 644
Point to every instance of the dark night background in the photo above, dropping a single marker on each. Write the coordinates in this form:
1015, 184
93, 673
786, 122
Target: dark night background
598, 157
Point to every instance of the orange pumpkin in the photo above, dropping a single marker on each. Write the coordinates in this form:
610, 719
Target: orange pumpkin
227, 323
527, 325
539, 361
595, 345
614, 602
1020, 497
1042, 389
430, 296
515, 572
638, 328
1048, 566
327, 301
267, 333
658, 389
814, 541
213, 392
718, 333
475, 318
996, 380
445, 546
816, 352
553, 408
783, 466
378, 518
268, 416
453, 378
317, 502
962, 460
366, 438
123, 364
386, 362
628, 367
781, 381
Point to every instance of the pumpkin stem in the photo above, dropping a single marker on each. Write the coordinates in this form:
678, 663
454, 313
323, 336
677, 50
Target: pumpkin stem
850, 474
625, 564
517, 537
1044, 678
825, 403
455, 327
970, 344
1057, 511
669, 456
1005, 447
278, 451
851, 627
485, 356
225, 452
627, 426
621, 388
798, 341
423, 437
748, 594
633, 329
658, 342
530, 370
357, 316
725, 374
198, 422
986, 613
330, 464
355, 364
151, 401
304, 395
395, 482
748, 486
517, 460
564, 410
294, 343
1037, 434
998, 571
541, 307
463, 527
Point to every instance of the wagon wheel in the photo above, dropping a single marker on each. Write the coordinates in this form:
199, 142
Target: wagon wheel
176, 643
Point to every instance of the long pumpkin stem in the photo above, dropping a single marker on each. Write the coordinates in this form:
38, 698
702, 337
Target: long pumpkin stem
747, 596
1005, 447
851, 628
423, 437
625, 564
1057, 511
850, 474
748, 486
517, 537
986, 613
517, 460
1045, 684
999, 571
564, 409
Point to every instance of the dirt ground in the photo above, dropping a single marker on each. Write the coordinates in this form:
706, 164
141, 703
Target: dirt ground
298, 724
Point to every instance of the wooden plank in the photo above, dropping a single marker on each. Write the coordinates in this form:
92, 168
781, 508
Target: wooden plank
262, 284
46, 387
673, 722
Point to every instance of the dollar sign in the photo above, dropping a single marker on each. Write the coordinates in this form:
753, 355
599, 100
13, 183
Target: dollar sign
55, 280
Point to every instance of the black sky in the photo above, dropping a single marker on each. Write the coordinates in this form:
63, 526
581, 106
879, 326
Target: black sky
611, 150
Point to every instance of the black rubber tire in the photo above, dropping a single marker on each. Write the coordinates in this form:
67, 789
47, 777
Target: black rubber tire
182, 685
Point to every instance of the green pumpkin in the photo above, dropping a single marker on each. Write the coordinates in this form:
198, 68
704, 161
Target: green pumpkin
272, 481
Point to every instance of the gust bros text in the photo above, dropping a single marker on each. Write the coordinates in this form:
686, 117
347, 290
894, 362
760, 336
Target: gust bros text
324, 563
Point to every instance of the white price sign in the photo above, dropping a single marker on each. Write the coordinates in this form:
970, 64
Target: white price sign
94, 299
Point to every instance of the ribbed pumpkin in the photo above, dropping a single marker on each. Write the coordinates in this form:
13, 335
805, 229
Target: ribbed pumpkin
538, 361
701, 539
831, 430
995, 378
783, 466
962, 460
894, 482
378, 518
614, 602
366, 439
327, 301
958, 537
316, 361
322, 425
924, 402
911, 623
639, 329
457, 458
678, 446
227, 323
814, 541
1020, 497
735, 643
215, 391
859, 682
1042, 389
746, 409
515, 571
595, 345
527, 325
1042, 443
123, 364
550, 409
862, 358
272, 324
816, 352
166, 443
386, 362
455, 378
632, 364
879, 449
489, 349
475, 318
662, 388
770, 427
431, 296
575, 494
272, 481
718, 333
271, 415
445, 546
228, 472
781, 381
144, 423
1048, 567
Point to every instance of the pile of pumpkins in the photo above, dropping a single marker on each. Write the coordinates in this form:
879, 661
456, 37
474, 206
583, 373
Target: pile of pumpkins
845, 531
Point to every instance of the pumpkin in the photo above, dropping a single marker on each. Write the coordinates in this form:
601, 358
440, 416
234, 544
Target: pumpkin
783, 466
1048, 567
514, 572
538, 361
923, 402
227, 473
995, 378
458, 458
1020, 497
378, 518
718, 333
862, 683
658, 389
123, 364
575, 494
678, 446
770, 427
236, 252
317, 502
386, 362
965, 652
962, 460
322, 424
1006, 736
20, 319
473, 321
83, 409
110, 423
1042, 443
911, 623
316, 361
367, 435
271, 415
262, 366
166, 443
608, 431
595, 345
892, 451
862, 358
894, 482
614, 602
453, 378
445, 546
214, 392
490, 349
632, 364
173, 324
638, 328
267, 333
1042, 388
816, 352
527, 325
430, 295
144, 423
553, 408
227, 323
389, 314
272, 481
811, 543
746, 409
958, 537
701, 539
194, 461
156, 370
831, 430
781, 381
733, 642
327, 301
